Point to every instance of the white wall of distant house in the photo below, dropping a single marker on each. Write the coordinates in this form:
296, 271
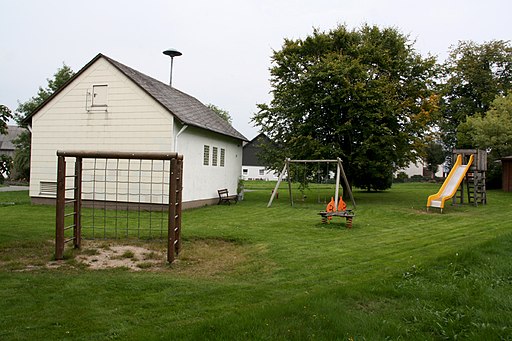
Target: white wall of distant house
258, 173
417, 169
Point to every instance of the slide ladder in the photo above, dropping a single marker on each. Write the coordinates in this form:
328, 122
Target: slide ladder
451, 184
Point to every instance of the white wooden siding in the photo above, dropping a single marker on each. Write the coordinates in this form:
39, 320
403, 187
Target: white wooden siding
201, 181
133, 122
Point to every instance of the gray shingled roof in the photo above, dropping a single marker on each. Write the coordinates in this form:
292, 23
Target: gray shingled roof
184, 107
251, 150
6, 144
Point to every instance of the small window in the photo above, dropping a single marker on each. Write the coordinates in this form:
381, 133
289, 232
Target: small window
262, 171
206, 155
99, 95
245, 171
214, 156
222, 156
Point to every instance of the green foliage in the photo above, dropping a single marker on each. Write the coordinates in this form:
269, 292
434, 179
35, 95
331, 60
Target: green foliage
398, 274
21, 160
60, 78
492, 131
435, 155
221, 112
401, 177
475, 74
5, 166
23, 142
5, 115
363, 95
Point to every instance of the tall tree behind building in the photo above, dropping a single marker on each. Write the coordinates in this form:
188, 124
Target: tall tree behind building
21, 161
363, 95
474, 75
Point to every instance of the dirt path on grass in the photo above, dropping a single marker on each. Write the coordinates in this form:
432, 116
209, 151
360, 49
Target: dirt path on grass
198, 258
134, 258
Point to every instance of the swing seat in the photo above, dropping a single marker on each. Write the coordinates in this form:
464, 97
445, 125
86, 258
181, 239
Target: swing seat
348, 215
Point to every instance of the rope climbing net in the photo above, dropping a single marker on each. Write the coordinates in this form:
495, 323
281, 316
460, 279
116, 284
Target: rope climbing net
113, 195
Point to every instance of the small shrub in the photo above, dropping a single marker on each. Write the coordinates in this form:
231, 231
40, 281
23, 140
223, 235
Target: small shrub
417, 178
128, 254
91, 252
401, 177
144, 265
153, 255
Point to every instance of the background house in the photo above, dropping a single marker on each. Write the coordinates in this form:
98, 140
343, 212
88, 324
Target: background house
108, 106
6, 145
419, 168
252, 166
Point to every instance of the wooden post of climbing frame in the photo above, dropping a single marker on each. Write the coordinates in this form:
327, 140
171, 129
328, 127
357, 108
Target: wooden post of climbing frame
77, 222
171, 228
60, 208
179, 197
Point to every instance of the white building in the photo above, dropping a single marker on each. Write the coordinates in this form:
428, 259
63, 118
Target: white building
418, 169
108, 106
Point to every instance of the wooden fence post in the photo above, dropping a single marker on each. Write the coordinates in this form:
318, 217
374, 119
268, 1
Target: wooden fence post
179, 197
77, 221
171, 228
60, 208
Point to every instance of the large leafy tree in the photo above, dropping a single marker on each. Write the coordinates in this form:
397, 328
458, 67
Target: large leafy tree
491, 131
434, 156
60, 77
22, 142
363, 95
21, 159
474, 75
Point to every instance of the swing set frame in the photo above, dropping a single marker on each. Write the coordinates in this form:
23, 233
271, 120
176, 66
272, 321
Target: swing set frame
340, 172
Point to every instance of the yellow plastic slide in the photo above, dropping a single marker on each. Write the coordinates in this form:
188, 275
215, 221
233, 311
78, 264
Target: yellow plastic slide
450, 185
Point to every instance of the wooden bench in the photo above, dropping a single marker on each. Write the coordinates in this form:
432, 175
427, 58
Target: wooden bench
225, 198
348, 214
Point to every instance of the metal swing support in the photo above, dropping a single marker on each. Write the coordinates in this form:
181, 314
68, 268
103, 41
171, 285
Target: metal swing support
340, 172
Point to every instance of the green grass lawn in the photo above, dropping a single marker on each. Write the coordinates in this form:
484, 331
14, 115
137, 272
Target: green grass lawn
251, 272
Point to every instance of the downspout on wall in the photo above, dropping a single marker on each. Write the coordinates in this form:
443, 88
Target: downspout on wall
176, 137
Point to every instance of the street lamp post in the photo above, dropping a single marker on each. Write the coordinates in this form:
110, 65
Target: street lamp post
172, 53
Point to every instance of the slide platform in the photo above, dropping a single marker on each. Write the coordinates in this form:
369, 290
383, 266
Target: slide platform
451, 184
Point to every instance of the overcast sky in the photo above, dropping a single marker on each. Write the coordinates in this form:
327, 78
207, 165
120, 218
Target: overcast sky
226, 44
